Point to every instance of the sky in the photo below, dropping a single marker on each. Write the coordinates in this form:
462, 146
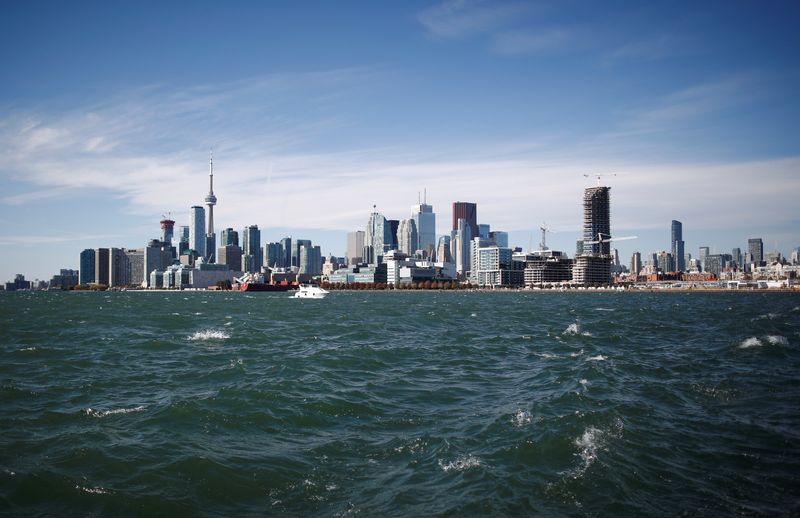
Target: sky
316, 111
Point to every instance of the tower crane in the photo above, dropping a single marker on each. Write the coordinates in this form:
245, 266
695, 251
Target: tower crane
545, 229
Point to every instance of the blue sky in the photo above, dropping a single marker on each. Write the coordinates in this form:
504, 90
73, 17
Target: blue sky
318, 110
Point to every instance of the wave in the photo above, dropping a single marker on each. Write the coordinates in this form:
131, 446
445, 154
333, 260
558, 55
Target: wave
460, 464
754, 341
598, 358
575, 329
93, 490
521, 418
209, 334
103, 413
592, 442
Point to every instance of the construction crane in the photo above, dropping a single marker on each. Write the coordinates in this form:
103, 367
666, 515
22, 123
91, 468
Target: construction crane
545, 229
599, 176
606, 238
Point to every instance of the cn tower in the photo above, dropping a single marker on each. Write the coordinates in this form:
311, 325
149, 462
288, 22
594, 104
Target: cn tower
211, 200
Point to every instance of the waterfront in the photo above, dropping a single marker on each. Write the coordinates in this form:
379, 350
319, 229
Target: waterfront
401, 403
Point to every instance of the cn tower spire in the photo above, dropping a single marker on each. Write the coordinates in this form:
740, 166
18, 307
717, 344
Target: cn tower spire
211, 200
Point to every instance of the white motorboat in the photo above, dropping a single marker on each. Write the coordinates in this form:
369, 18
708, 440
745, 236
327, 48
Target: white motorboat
305, 291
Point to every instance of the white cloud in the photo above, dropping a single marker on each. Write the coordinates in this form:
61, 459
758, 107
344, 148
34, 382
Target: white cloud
459, 18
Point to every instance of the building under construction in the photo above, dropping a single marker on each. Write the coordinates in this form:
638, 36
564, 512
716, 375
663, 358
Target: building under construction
593, 265
545, 267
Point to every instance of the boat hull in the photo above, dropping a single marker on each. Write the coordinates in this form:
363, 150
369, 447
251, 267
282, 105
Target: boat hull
255, 286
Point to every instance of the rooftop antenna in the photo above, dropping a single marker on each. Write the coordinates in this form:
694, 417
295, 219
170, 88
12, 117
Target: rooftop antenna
598, 176
425, 199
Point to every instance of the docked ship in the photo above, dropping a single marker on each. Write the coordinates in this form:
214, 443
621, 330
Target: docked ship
255, 282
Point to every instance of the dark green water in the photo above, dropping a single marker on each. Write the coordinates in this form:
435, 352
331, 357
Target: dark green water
400, 404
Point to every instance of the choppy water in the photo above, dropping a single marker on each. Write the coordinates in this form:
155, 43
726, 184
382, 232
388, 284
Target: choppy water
400, 403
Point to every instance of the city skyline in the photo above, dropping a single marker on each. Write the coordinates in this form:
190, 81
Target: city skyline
507, 105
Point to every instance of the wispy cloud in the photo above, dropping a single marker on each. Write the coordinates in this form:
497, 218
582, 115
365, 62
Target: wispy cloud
459, 18
529, 42
649, 49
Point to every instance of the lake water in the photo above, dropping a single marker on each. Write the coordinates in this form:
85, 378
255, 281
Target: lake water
400, 403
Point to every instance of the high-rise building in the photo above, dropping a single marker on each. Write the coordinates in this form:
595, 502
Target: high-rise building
157, 257
469, 213
483, 230
183, 239
87, 266
167, 230
443, 254
407, 236
118, 267
252, 258
596, 220
678, 245
636, 263
425, 220
593, 265
394, 225
197, 230
310, 259
704, 252
210, 200
499, 237
230, 255
460, 247
355, 247
755, 250
229, 237
286, 245
273, 255
378, 236
736, 257
101, 262
296, 245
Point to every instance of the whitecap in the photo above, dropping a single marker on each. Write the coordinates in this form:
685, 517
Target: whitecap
572, 329
209, 334
575, 355
460, 464
584, 382
521, 418
592, 442
103, 413
604, 309
598, 358
93, 490
547, 356
750, 342
473, 314
777, 340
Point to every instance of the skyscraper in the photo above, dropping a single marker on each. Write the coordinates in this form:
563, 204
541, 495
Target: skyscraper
703, 252
87, 268
593, 265
460, 247
755, 250
296, 245
197, 230
677, 246
636, 263
425, 220
469, 213
167, 229
355, 247
378, 236
229, 237
101, 262
597, 220
407, 236
251, 251
183, 239
286, 244
211, 200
